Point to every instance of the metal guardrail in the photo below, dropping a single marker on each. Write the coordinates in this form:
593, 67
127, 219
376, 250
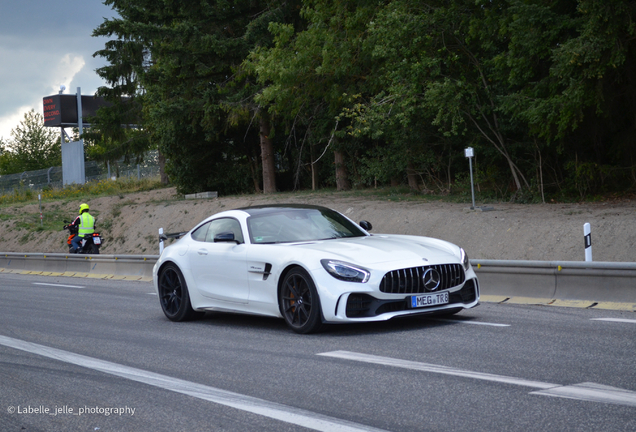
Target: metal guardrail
129, 266
564, 280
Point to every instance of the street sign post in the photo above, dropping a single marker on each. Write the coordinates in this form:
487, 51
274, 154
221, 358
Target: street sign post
469, 153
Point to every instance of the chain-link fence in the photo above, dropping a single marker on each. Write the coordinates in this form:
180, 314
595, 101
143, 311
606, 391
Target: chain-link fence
52, 177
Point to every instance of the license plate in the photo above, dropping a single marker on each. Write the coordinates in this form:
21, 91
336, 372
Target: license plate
97, 240
429, 300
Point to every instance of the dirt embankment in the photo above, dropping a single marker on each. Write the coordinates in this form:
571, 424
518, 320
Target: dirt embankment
130, 224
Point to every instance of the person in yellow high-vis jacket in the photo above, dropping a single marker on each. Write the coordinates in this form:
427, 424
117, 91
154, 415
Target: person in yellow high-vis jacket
86, 226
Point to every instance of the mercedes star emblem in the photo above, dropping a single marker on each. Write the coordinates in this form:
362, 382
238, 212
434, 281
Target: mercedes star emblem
431, 279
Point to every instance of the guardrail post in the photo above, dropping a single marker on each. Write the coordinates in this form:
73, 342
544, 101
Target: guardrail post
587, 238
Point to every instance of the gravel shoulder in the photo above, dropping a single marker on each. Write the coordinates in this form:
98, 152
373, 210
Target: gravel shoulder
547, 232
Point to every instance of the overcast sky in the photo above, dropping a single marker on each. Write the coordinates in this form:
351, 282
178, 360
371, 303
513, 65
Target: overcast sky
44, 44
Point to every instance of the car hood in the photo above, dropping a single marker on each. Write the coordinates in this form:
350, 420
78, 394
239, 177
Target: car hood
385, 248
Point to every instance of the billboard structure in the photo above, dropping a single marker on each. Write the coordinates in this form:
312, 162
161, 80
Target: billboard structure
62, 111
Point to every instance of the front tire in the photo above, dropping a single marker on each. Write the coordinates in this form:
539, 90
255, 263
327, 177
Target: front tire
299, 303
174, 296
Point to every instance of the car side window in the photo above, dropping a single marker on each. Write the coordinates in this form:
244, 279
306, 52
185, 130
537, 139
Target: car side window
223, 225
199, 233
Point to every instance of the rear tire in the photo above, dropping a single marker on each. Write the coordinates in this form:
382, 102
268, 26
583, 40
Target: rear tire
299, 302
174, 296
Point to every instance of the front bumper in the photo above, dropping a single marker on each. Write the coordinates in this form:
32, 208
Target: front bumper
360, 307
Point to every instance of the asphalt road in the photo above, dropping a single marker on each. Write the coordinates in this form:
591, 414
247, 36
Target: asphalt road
94, 355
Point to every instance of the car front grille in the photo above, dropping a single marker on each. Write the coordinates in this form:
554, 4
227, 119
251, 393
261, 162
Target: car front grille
361, 305
410, 280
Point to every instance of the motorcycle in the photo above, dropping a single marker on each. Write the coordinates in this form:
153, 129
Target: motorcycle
90, 244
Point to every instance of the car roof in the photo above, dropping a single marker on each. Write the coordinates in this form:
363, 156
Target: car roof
274, 208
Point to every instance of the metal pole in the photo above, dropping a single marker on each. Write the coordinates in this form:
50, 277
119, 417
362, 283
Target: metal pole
80, 126
138, 173
587, 238
472, 188
61, 128
108, 164
40, 202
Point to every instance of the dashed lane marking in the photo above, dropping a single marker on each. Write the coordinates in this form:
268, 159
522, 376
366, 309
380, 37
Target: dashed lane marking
621, 320
57, 285
454, 321
585, 391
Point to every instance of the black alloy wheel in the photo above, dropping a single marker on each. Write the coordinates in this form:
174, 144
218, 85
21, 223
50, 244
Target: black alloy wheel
174, 296
299, 302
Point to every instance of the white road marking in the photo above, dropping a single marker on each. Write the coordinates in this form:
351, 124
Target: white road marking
151, 293
622, 320
471, 322
426, 367
57, 285
592, 392
251, 404
585, 391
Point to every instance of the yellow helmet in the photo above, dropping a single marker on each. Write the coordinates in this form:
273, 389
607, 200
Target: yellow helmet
83, 207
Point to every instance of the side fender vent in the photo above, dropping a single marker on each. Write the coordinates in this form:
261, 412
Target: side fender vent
267, 272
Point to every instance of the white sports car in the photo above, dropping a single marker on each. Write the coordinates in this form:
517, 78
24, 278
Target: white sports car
309, 265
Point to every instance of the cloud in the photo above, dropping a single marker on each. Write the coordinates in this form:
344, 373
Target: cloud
9, 122
43, 45
46, 81
67, 68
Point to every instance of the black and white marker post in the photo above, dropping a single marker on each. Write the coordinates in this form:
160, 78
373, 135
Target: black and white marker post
587, 236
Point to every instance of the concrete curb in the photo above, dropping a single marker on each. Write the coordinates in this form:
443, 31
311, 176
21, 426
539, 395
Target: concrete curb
581, 304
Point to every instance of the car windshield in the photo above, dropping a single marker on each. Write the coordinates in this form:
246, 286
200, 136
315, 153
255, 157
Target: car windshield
297, 225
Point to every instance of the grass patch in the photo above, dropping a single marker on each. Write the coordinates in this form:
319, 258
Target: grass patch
52, 220
64, 202
86, 191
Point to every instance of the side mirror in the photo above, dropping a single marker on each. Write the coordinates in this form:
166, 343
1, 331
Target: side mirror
224, 237
366, 225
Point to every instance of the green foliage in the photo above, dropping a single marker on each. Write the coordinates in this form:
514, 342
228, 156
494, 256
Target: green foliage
81, 192
33, 146
542, 89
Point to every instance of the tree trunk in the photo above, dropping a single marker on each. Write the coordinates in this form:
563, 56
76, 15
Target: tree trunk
411, 175
342, 179
161, 159
254, 169
267, 156
314, 172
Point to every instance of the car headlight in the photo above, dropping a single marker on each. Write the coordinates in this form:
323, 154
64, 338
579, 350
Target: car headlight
463, 256
345, 271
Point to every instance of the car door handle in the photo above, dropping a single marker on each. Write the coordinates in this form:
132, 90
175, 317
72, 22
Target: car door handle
202, 252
